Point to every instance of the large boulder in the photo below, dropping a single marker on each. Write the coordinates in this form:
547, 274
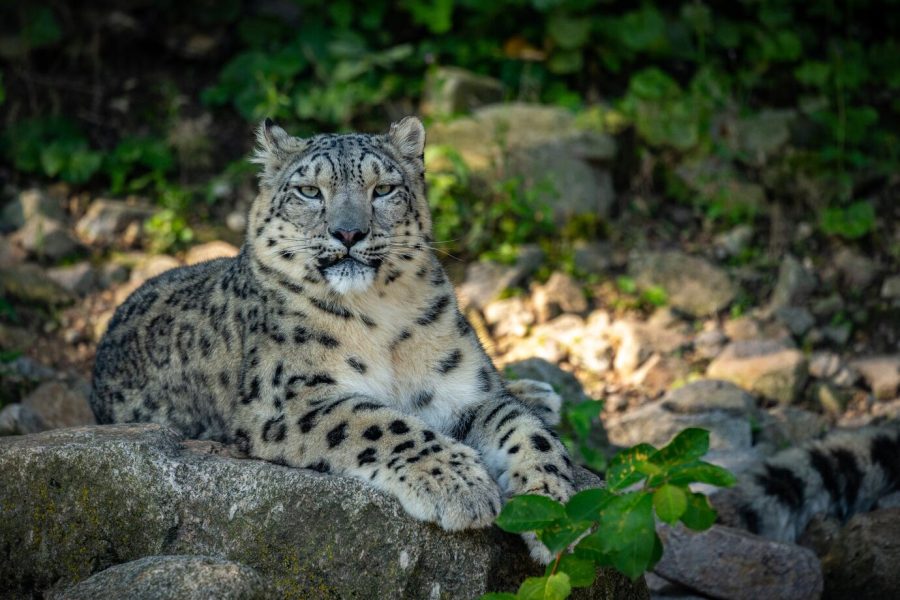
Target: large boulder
862, 562
766, 367
164, 577
452, 90
106, 221
722, 562
544, 146
692, 284
77, 501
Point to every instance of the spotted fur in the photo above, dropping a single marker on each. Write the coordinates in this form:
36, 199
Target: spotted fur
841, 475
338, 352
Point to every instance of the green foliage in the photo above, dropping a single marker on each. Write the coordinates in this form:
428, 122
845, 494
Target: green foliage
852, 222
615, 526
53, 147
136, 163
168, 231
577, 423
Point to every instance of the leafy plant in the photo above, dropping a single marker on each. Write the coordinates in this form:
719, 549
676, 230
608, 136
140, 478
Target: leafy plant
615, 526
577, 423
53, 147
855, 221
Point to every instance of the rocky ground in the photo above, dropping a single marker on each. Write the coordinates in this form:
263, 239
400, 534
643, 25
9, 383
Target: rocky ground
663, 324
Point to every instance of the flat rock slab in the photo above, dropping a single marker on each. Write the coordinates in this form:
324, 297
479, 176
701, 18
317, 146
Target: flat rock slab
765, 367
164, 577
731, 564
77, 501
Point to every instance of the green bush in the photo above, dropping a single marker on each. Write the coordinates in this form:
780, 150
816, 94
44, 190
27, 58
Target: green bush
615, 526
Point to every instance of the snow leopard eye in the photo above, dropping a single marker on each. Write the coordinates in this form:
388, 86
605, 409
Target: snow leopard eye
383, 190
311, 192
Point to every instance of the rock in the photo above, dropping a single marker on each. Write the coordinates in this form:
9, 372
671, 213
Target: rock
509, 317
797, 319
80, 278
57, 405
164, 577
236, 221
486, 280
757, 137
635, 341
708, 395
734, 241
716, 181
551, 341
855, 270
720, 407
785, 426
794, 285
824, 365
31, 203
593, 258
838, 335
830, 398
765, 367
593, 351
564, 383
9, 419
862, 562
77, 501
46, 239
30, 284
722, 562
452, 91
890, 287
10, 254
742, 328
561, 294
544, 146
709, 343
881, 373
692, 284
828, 306
210, 251
107, 220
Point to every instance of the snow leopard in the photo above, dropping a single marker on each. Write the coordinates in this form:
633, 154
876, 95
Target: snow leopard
846, 473
334, 342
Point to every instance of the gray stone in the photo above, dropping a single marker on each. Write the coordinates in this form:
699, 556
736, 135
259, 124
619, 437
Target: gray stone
862, 562
765, 367
734, 241
881, 373
165, 577
655, 423
56, 405
722, 562
106, 220
716, 181
890, 287
561, 294
509, 317
564, 383
544, 146
757, 137
708, 395
452, 91
828, 306
797, 319
692, 284
794, 285
46, 239
709, 344
856, 271
486, 280
77, 501
80, 278
784, 426
30, 284
636, 341
593, 258
31, 203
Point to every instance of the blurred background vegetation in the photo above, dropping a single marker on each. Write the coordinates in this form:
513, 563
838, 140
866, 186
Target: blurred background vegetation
751, 111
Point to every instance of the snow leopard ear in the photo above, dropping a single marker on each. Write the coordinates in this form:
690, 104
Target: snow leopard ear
408, 136
274, 147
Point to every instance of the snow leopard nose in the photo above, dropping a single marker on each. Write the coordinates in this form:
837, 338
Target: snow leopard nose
348, 238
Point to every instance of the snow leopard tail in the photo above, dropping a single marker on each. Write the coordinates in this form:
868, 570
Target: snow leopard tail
845, 473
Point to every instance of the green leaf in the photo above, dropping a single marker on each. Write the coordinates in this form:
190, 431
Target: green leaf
582, 416
569, 32
587, 504
625, 467
498, 596
529, 512
698, 514
670, 502
628, 528
581, 572
552, 587
557, 536
699, 471
689, 444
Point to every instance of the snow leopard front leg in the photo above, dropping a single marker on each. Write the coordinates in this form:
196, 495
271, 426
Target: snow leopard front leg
521, 452
434, 477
